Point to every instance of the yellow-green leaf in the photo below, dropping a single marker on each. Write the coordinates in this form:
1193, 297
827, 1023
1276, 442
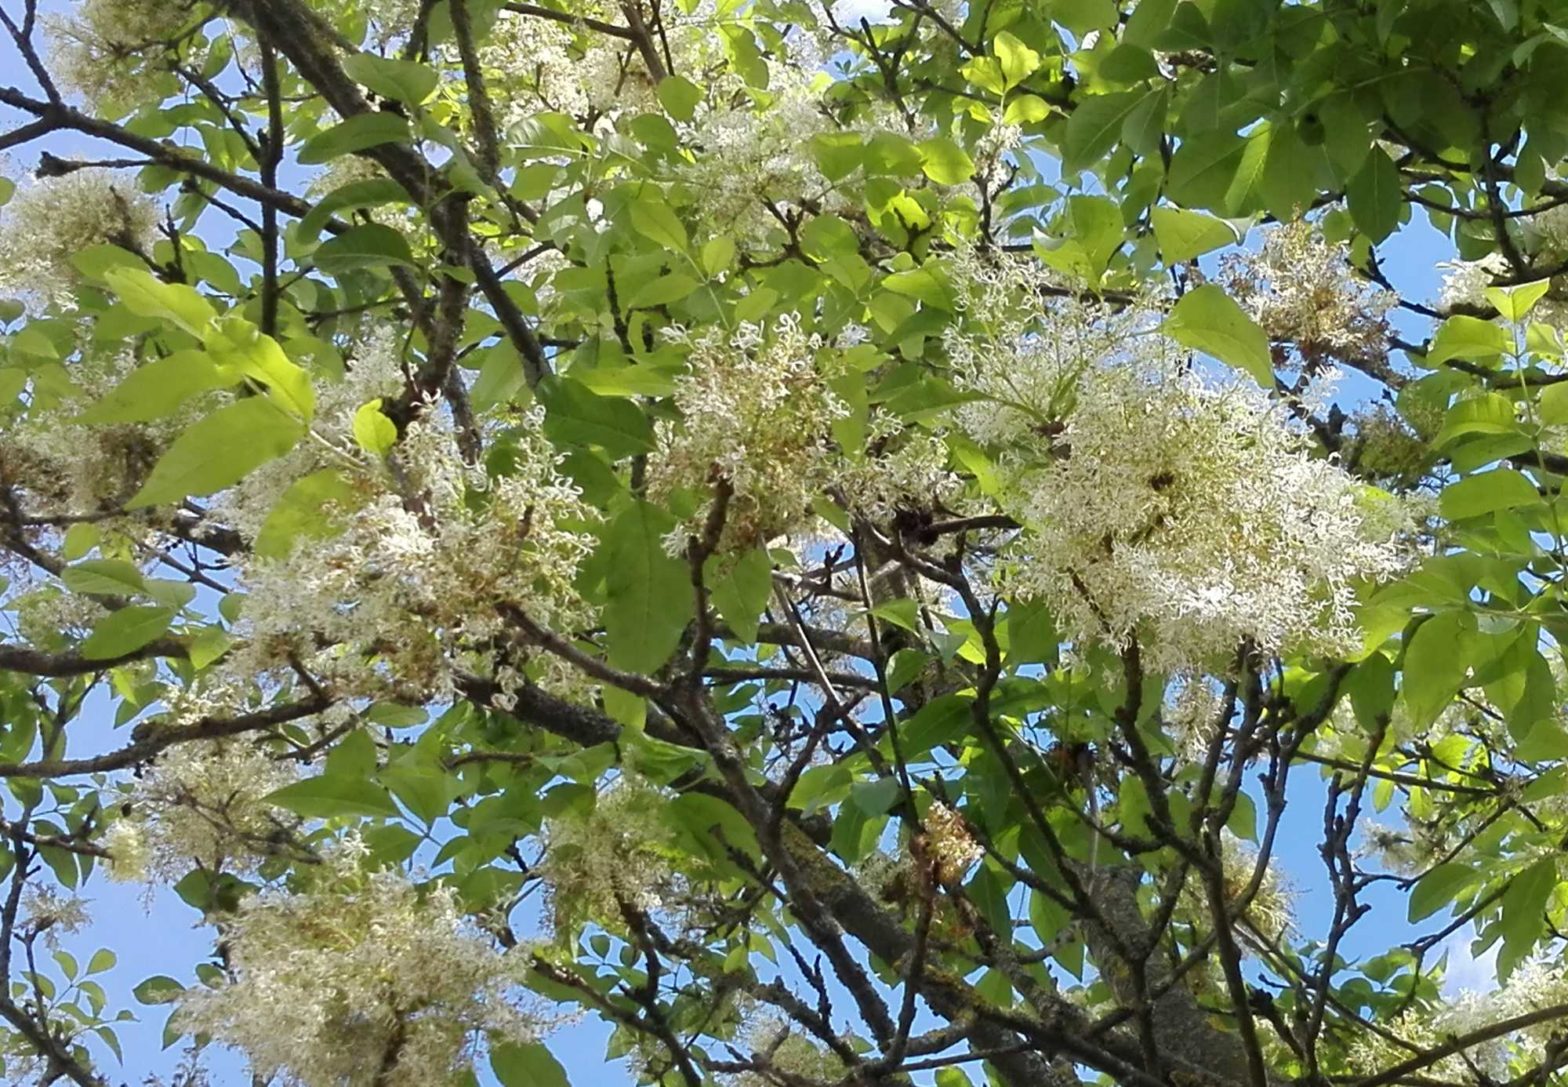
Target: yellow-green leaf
375, 433
147, 296
945, 162
127, 630
1207, 319
219, 451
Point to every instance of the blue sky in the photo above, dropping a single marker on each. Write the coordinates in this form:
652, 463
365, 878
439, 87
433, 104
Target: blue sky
152, 932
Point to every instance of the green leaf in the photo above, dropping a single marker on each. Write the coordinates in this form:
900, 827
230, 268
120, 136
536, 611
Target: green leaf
219, 451
1499, 489
1096, 224
104, 577
1203, 167
159, 387
837, 154
158, 989
358, 133
1207, 319
500, 377
375, 433
208, 646
425, 789
1289, 180
1552, 407
1515, 303
741, 592
1244, 194
649, 592
925, 283
103, 959
719, 252
945, 162
574, 415
661, 291
1438, 888
1243, 821
328, 796
1468, 338
369, 193
146, 296
305, 511
1376, 196
1345, 133
527, 1065
369, 245
1094, 127
127, 630
1524, 912
1489, 413
1019, 62
679, 96
876, 797
655, 220
1183, 235
1434, 667
404, 80
1025, 109
236, 344
1082, 16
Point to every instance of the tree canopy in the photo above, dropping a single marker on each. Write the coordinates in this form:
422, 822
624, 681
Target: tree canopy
855, 546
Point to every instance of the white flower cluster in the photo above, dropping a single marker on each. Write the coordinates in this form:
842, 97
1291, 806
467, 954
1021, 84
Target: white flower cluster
1271, 911
756, 412
785, 1055
1303, 290
1191, 516
103, 48
903, 468
950, 847
1193, 718
754, 150
363, 980
419, 577
64, 466
1465, 281
1535, 985
200, 804
621, 853
48, 614
52, 219
48, 913
539, 64
1021, 348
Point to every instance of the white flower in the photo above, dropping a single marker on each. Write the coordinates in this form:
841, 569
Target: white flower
50, 220
1303, 290
1193, 517
50, 913
129, 855
362, 980
413, 583
620, 853
201, 804
949, 845
106, 49
756, 412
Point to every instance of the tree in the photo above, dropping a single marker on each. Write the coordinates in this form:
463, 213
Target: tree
828, 543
